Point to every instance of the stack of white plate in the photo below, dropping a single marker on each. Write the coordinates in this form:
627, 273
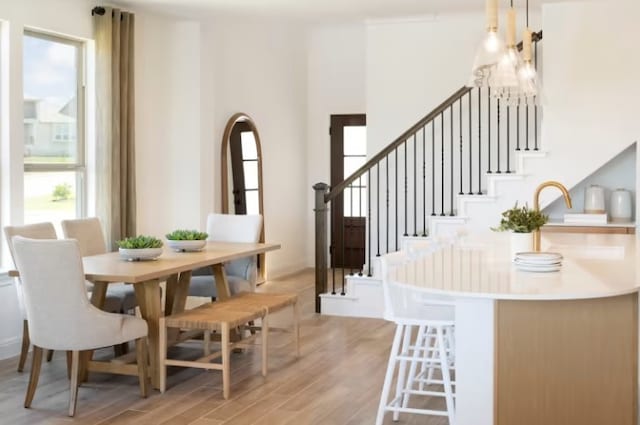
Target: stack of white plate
538, 261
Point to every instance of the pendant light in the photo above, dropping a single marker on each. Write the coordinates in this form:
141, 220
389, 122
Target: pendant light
527, 74
505, 79
491, 48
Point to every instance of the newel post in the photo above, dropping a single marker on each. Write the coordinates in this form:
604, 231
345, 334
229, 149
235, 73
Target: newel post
321, 241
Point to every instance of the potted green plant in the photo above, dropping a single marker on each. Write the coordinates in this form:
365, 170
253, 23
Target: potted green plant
140, 248
521, 222
186, 240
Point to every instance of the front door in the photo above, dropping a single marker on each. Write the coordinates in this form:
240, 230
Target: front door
348, 225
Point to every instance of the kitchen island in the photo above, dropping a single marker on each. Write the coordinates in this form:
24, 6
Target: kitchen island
556, 348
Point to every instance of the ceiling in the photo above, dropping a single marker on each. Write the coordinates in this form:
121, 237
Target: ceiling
316, 10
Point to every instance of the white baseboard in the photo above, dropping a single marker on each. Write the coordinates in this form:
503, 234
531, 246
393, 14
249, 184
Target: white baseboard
10, 347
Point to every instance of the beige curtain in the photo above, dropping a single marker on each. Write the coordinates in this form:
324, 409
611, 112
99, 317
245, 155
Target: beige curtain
115, 147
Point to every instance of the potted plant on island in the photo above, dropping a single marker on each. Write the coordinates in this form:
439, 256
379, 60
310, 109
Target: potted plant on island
521, 222
186, 240
140, 248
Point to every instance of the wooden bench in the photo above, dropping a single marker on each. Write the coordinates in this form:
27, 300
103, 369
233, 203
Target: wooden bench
225, 316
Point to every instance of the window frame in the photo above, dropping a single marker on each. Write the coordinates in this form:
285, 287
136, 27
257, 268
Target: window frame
79, 167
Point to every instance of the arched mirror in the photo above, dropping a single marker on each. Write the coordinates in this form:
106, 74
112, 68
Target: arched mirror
241, 158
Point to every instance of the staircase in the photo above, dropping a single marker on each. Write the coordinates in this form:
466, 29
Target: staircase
438, 175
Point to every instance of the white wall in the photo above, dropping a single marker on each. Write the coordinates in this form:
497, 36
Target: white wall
336, 85
259, 68
73, 19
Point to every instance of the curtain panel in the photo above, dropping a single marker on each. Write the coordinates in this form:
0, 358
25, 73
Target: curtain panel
115, 121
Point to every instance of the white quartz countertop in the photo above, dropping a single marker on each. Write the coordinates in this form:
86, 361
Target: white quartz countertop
594, 266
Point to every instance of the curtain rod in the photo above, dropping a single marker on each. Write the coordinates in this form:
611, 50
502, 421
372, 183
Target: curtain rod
99, 10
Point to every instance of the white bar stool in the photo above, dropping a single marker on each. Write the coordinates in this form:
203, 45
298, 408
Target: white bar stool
424, 338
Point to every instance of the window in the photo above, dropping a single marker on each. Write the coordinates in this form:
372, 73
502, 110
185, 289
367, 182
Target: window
54, 160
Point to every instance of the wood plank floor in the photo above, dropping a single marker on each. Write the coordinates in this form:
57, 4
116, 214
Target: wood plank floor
336, 381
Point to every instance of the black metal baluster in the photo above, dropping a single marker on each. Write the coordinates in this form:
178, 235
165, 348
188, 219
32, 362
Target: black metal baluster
377, 208
350, 249
360, 212
489, 128
451, 158
415, 184
508, 140
535, 104
332, 253
369, 220
397, 183
406, 188
424, 181
460, 136
470, 149
498, 138
433, 167
479, 141
442, 163
343, 248
387, 204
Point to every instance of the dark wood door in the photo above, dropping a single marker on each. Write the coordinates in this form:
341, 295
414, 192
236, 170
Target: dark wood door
348, 223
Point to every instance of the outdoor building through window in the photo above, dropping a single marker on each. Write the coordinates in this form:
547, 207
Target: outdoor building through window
54, 163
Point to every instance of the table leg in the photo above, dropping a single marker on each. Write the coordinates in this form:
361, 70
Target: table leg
148, 296
170, 293
180, 291
222, 285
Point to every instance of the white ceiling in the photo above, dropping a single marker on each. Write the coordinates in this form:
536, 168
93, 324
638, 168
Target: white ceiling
316, 10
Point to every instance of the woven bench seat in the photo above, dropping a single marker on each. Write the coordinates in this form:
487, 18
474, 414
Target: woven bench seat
225, 316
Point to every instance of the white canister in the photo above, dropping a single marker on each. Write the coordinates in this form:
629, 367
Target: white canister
620, 206
594, 200
520, 242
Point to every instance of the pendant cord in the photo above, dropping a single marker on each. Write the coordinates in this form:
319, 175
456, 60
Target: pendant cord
527, 13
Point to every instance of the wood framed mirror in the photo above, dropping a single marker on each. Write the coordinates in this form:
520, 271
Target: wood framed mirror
241, 165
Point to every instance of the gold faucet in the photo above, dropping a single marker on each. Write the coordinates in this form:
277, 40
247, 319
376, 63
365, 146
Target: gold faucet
536, 206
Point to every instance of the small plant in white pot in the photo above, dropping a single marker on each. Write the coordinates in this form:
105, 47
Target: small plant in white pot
140, 248
521, 222
186, 240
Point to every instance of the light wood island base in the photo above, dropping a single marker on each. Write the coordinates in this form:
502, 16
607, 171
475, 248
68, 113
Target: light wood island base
567, 362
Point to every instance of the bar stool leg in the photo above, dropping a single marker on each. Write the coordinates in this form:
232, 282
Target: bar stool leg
402, 370
391, 366
446, 377
417, 356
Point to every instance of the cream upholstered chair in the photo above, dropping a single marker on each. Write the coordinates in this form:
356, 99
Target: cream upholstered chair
60, 315
39, 231
241, 274
88, 232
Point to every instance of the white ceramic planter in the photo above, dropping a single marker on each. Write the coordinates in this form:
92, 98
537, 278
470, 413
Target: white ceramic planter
520, 242
140, 254
186, 245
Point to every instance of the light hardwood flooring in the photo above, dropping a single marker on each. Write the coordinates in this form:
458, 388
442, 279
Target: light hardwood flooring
337, 381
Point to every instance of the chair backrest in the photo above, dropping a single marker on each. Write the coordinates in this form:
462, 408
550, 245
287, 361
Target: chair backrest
237, 228
89, 234
53, 286
32, 231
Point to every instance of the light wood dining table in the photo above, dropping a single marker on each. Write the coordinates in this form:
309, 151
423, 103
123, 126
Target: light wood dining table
173, 267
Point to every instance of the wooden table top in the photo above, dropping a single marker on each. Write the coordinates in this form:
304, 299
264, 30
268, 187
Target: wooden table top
112, 268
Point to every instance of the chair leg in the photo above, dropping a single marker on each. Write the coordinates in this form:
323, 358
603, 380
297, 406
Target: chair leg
68, 355
73, 388
36, 362
25, 346
391, 366
226, 358
162, 357
264, 330
206, 343
49, 355
143, 359
296, 327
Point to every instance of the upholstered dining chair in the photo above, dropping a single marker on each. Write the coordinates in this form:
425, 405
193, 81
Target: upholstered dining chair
242, 273
39, 231
60, 315
88, 232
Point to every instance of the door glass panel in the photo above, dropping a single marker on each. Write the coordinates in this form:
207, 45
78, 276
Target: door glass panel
50, 101
49, 196
352, 163
355, 140
252, 202
354, 198
249, 150
250, 174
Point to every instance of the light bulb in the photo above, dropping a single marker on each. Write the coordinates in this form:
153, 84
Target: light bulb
492, 42
527, 71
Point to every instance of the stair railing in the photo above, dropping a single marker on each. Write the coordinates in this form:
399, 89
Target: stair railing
448, 152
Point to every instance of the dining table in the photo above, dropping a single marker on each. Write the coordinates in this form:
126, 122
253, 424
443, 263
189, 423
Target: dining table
174, 268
